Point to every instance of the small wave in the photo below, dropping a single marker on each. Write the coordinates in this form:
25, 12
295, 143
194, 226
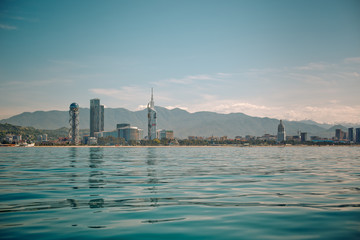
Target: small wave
158, 202
163, 220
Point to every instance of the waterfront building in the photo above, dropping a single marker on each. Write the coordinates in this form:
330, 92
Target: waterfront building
96, 116
267, 137
105, 134
121, 125
13, 138
190, 138
74, 123
281, 135
130, 133
249, 137
42, 138
9, 138
223, 138
316, 138
351, 134
239, 138
339, 134
151, 118
17, 138
303, 136
92, 141
85, 139
165, 134
357, 140
296, 138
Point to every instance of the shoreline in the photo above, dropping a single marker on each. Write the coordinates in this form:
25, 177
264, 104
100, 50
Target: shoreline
217, 146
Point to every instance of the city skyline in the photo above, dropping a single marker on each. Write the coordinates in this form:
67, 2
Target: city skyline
290, 60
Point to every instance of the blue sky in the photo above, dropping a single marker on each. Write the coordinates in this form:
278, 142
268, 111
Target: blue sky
286, 59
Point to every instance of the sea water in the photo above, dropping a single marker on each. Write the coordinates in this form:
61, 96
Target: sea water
180, 193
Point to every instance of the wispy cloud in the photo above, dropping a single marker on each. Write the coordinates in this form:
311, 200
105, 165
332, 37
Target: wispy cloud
352, 60
125, 93
16, 16
67, 63
294, 93
7, 27
331, 113
38, 83
191, 79
177, 106
214, 103
313, 67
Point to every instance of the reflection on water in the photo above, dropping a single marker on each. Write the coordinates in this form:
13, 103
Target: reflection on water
96, 176
208, 193
151, 173
73, 153
73, 161
96, 203
96, 157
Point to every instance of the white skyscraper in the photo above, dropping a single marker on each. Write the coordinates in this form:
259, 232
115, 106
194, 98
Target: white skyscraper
151, 118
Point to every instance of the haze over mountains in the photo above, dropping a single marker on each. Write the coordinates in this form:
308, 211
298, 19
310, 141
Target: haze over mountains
182, 122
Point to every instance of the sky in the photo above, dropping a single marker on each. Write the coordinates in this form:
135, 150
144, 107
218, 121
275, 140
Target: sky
291, 60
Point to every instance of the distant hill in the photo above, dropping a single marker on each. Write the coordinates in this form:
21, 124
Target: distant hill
182, 122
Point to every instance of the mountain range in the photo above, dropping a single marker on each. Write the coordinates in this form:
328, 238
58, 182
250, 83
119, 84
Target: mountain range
183, 123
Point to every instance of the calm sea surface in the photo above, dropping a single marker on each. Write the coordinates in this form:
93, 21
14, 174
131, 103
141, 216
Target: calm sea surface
180, 193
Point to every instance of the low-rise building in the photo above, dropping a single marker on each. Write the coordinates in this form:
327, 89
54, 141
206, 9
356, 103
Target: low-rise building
92, 141
130, 133
42, 138
165, 134
195, 138
105, 134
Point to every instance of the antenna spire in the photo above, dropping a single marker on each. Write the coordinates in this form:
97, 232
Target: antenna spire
151, 103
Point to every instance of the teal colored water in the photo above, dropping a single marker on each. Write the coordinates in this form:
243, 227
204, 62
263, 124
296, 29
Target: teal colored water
180, 193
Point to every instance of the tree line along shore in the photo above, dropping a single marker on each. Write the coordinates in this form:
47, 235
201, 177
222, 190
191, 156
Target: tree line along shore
59, 137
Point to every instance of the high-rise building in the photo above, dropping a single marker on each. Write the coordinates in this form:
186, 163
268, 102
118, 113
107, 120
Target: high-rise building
351, 134
151, 118
303, 136
74, 123
281, 135
357, 140
102, 118
339, 134
96, 116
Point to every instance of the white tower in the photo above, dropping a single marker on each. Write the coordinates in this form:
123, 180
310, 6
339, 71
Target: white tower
74, 123
151, 118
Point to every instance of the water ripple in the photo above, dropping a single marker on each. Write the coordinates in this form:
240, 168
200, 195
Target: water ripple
208, 193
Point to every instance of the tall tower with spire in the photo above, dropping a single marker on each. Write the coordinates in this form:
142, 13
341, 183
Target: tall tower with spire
151, 118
